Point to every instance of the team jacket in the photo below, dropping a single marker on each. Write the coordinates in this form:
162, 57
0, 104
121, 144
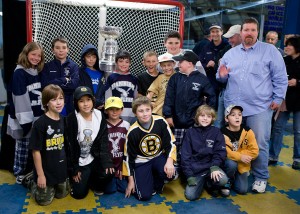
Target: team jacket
85, 79
99, 148
25, 105
184, 95
202, 147
55, 73
247, 145
143, 145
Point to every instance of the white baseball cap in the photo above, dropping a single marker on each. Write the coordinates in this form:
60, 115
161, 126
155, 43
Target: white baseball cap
234, 29
230, 107
165, 58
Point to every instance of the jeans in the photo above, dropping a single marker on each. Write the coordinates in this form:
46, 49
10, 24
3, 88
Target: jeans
261, 126
220, 121
116, 185
193, 192
277, 135
239, 181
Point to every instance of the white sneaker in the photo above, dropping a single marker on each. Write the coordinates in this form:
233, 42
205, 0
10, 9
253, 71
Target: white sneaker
259, 186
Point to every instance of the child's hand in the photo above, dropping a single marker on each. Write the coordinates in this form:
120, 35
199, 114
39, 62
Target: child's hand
119, 173
130, 187
41, 182
170, 122
109, 170
77, 177
216, 175
169, 168
246, 159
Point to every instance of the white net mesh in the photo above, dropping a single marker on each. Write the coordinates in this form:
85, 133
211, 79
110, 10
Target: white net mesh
143, 29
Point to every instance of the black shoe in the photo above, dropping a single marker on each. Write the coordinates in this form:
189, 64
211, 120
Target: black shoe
272, 162
296, 165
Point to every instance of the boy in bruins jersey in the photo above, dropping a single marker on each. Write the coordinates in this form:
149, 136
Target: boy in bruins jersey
149, 152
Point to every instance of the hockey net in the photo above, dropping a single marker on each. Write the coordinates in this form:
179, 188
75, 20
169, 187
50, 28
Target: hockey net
144, 24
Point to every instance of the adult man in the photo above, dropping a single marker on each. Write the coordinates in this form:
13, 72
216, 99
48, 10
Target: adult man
256, 80
209, 53
272, 38
234, 38
203, 42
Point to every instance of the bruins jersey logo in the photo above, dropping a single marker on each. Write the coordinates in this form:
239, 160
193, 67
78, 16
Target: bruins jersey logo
150, 145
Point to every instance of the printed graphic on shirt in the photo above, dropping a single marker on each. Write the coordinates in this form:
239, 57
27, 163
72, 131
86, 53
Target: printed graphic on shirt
209, 143
56, 142
34, 89
86, 144
125, 89
196, 86
115, 139
150, 144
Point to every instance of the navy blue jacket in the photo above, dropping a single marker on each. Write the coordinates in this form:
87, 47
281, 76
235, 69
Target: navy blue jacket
202, 148
208, 53
85, 79
184, 95
56, 73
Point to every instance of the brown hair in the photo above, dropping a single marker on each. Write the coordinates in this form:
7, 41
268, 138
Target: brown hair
49, 92
250, 20
143, 100
206, 109
23, 56
59, 39
172, 34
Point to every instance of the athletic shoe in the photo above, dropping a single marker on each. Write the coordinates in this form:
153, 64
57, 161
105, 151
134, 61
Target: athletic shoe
98, 193
259, 186
27, 180
296, 165
19, 179
224, 192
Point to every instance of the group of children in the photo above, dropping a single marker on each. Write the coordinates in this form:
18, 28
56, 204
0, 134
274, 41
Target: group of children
171, 116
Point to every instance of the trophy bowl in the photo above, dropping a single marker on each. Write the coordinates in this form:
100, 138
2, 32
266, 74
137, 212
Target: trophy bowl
110, 32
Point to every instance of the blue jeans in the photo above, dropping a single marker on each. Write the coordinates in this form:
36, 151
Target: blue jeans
220, 121
261, 126
277, 135
193, 192
239, 181
116, 185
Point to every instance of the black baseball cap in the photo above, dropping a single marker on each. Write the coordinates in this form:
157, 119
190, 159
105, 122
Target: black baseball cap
189, 56
81, 91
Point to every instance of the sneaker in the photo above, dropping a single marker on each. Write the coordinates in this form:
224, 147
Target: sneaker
296, 165
19, 179
98, 193
27, 180
224, 192
259, 186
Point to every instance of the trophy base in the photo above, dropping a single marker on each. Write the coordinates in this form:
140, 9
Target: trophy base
107, 66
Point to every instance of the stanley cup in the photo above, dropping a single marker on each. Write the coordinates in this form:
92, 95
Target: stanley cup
110, 47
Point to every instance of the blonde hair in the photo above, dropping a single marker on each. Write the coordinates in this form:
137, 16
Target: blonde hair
23, 56
205, 109
149, 53
143, 100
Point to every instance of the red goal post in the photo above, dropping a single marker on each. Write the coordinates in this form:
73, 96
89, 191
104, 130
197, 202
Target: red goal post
144, 23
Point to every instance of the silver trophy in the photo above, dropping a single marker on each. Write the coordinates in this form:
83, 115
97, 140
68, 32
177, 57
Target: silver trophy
110, 47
